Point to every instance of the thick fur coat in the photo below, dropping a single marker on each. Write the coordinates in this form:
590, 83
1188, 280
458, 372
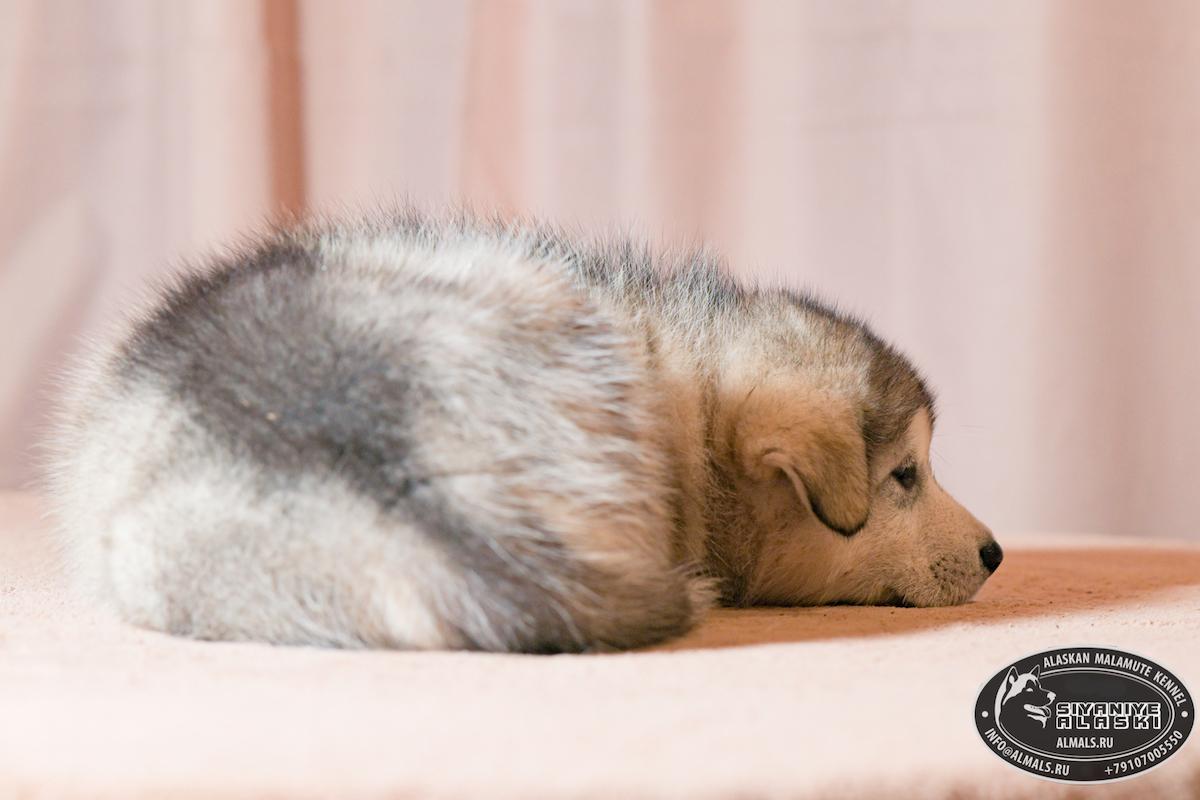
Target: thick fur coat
451, 433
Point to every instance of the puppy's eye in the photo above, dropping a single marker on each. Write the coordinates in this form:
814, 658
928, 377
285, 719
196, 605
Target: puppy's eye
906, 476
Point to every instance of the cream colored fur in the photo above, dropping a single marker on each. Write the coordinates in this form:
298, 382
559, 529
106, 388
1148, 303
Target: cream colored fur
581, 458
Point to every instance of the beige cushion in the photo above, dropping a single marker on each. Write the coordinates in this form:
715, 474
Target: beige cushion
794, 703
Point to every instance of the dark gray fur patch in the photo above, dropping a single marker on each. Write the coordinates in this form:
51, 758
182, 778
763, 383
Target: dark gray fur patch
248, 349
897, 392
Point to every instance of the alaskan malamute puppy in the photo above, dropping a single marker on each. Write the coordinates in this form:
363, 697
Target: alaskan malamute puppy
421, 433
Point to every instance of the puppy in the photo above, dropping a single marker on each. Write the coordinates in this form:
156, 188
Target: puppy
417, 432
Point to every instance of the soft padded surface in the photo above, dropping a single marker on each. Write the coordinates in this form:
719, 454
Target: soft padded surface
866, 702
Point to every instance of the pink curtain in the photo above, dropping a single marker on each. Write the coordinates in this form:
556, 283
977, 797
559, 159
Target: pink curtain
1009, 190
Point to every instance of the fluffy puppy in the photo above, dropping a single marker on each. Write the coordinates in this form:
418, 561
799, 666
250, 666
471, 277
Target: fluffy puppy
410, 432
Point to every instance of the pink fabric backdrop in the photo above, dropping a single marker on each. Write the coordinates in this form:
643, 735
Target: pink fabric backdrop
1010, 190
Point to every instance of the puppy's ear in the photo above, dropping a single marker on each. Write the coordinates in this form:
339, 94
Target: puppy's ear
1011, 677
1036, 671
817, 442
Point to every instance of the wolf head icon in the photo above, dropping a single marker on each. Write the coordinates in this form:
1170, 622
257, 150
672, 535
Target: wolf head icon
1021, 696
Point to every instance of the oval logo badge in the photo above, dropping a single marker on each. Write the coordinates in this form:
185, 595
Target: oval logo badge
1084, 714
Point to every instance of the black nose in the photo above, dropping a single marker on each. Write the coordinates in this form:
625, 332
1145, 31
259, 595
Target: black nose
991, 555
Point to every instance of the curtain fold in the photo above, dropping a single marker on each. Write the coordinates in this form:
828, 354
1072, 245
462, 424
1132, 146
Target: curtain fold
1006, 189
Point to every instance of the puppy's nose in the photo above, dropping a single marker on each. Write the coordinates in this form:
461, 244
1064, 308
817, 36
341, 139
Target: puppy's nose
991, 555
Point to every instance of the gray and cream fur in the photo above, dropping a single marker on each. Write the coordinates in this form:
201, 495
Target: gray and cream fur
455, 433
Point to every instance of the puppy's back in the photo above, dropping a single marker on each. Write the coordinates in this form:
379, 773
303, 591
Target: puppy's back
387, 438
